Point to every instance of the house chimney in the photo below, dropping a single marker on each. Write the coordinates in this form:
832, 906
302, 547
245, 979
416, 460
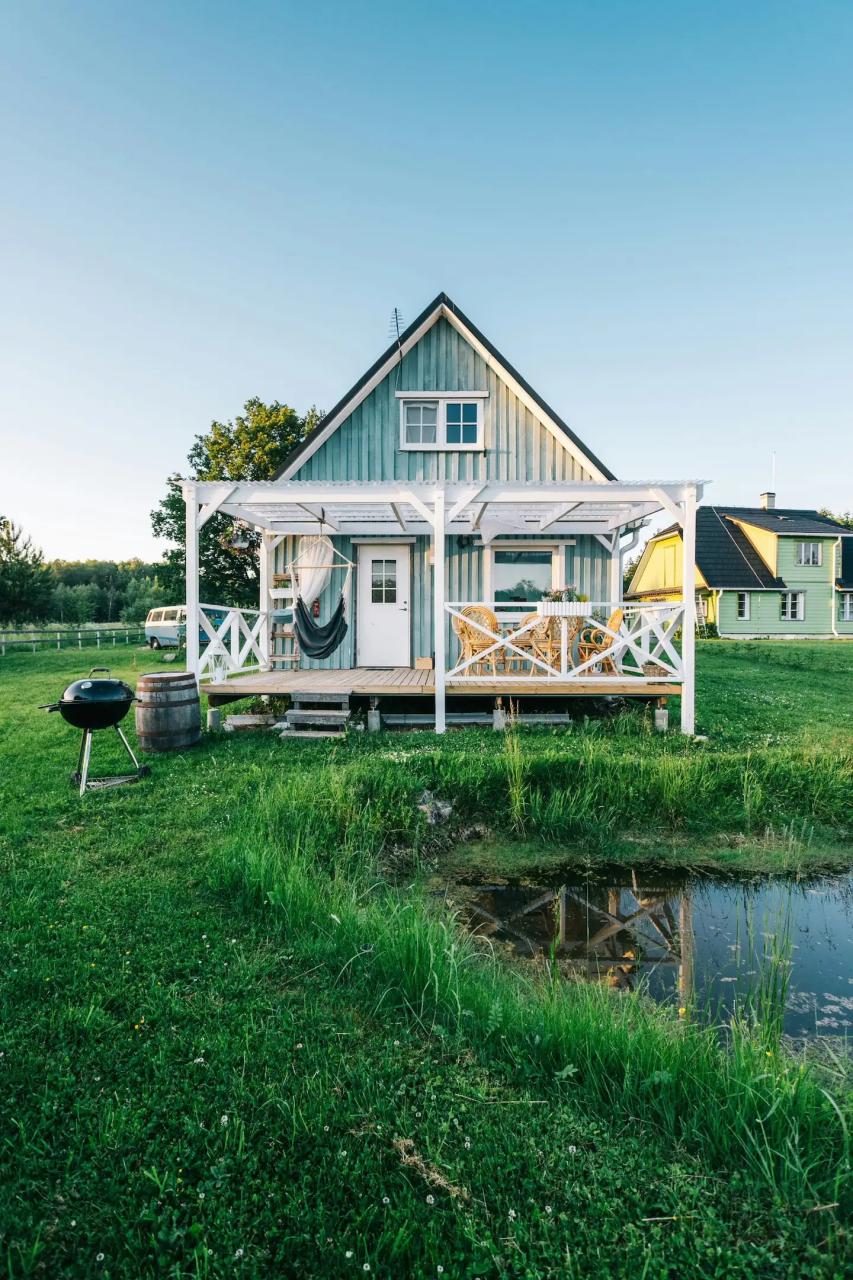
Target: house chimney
768, 500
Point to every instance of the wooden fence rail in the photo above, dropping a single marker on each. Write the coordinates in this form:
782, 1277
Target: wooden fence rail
71, 637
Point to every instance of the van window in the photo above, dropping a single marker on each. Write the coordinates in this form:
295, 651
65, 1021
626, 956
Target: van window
170, 615
156, 615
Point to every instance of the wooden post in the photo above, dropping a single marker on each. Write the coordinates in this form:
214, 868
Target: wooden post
191, 527
264, 604
688, 625
439, 621
615, 572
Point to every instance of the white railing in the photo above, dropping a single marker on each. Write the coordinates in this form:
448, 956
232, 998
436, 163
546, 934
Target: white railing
581, 644
234, 638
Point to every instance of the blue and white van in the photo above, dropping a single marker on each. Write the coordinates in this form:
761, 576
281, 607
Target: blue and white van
166, 628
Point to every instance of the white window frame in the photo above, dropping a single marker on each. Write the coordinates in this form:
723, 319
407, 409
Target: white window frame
557, 562
747, 606
789, 596
441, 399
846, 606
802, 562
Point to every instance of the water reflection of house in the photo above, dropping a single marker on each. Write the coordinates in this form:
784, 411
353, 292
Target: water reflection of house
615, 934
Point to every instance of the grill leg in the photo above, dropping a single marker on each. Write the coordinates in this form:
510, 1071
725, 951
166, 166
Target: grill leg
127, 746
86, 753
75, 777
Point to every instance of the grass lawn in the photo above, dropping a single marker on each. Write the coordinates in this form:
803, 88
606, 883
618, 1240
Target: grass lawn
238, 1040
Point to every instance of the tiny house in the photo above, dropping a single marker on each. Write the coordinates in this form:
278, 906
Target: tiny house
443, 531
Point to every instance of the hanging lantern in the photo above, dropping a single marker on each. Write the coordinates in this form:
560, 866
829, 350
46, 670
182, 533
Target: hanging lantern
240, 536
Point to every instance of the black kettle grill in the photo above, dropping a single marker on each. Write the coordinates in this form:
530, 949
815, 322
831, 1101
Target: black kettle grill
97, 704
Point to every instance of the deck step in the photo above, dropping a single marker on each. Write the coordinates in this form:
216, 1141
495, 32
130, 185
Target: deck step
325, 718
300, 697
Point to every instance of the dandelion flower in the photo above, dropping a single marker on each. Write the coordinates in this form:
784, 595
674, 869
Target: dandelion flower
548, 1209
99, 1257
223, 1120
430, 1199
682, 1012
573, 1151
238, 1253
511, 1215
467, 1144
386, 1199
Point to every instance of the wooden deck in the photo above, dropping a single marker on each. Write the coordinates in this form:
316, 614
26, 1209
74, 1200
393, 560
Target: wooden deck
406, 682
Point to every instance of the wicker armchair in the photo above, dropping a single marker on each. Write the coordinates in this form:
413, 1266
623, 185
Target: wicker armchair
544, 640
594, 640
473, 642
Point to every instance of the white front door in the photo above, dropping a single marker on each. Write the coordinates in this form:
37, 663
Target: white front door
383, 628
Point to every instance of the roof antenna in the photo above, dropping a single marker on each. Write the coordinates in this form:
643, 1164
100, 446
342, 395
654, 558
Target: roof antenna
396, 326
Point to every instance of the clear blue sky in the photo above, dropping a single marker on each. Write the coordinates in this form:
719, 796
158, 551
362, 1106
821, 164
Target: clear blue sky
647, 206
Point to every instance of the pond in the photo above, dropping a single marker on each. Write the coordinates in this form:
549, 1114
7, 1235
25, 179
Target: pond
693, 940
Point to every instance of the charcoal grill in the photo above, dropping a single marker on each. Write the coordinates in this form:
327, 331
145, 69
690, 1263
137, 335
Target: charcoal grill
93, 704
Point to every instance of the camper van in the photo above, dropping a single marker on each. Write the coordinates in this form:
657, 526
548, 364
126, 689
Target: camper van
166, 628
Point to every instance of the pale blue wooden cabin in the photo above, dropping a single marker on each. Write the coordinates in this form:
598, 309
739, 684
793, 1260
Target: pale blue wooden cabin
442, 481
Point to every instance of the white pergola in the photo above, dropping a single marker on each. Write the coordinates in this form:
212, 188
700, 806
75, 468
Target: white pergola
610, 511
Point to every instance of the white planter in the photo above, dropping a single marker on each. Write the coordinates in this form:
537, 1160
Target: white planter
562, 608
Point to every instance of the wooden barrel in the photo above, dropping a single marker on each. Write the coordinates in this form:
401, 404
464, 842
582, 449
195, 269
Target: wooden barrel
168, 713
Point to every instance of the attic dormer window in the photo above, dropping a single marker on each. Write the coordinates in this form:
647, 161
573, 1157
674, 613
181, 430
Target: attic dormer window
441, 420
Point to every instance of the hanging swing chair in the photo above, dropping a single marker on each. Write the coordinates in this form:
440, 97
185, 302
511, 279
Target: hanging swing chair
310, 572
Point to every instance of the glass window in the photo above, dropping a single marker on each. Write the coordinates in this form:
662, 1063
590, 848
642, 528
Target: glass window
808, 553
521, 575
847, 606
421, 422
383, 581
156, 615
793, 606
743, 606
170, 615
461, 422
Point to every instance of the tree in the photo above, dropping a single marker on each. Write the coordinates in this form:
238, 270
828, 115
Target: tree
252, 447
846, 518
25, 586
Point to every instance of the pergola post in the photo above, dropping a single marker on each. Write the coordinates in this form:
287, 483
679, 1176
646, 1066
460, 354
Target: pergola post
688, 625
265, 564
615, 596
439, 623
191, 526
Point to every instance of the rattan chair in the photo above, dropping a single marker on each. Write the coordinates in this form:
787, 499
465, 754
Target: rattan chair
594, 640
473, 642
544, 640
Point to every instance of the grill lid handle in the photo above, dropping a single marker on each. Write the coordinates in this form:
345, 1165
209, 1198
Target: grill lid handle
94, 669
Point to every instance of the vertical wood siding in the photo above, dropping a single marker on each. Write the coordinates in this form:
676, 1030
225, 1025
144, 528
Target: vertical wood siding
517, 445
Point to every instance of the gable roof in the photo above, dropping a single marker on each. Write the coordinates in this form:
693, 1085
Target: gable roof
724, 554
440, 306
787, 520
726, 557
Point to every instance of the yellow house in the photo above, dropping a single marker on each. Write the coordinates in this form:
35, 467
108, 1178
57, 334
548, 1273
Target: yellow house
760, 571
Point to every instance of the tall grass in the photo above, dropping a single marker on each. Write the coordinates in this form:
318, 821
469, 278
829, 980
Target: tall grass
312, 859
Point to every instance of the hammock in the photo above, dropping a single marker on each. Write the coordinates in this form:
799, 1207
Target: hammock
319, 640
311, 571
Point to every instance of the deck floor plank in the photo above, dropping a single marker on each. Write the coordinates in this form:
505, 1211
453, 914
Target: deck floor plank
407, 681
